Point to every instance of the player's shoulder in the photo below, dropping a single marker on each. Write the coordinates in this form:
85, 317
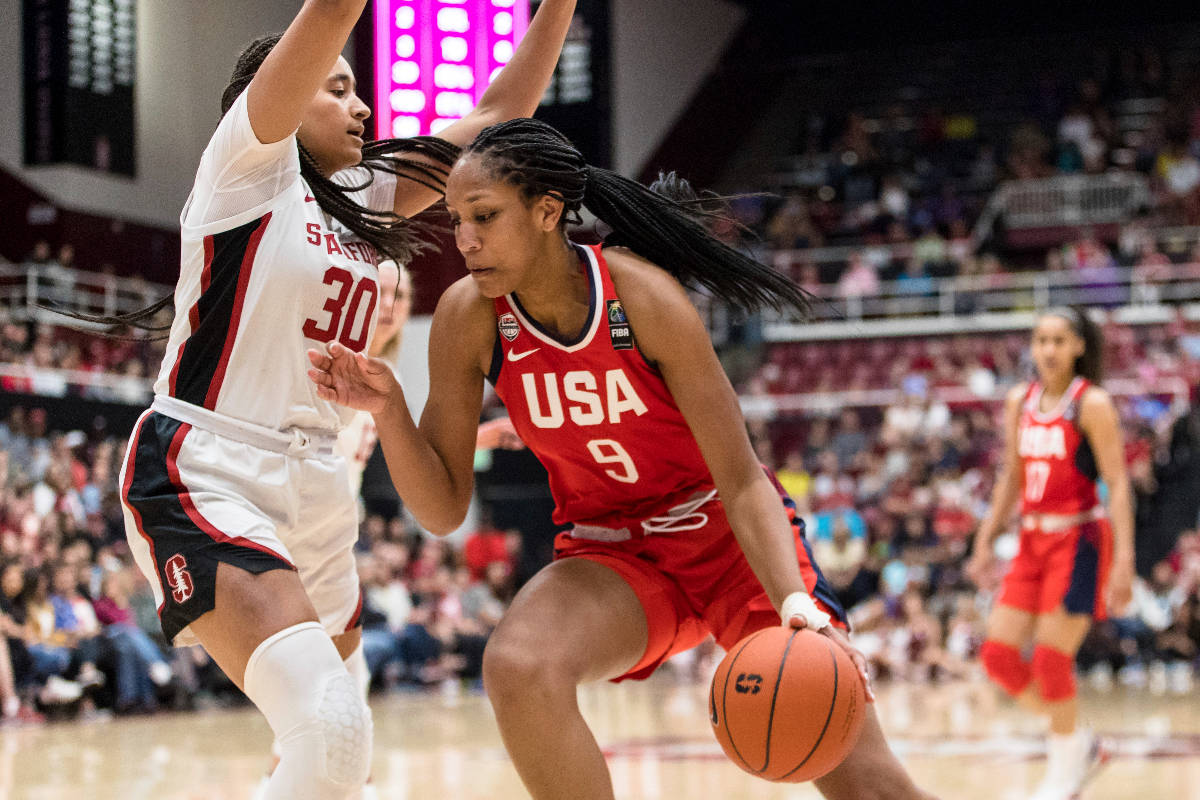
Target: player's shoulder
627, 268
1016, 395
463, 296
1095, 400
640, 282
464, 307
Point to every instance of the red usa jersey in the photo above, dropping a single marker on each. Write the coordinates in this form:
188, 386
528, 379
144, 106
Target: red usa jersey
1058, 469
594, 412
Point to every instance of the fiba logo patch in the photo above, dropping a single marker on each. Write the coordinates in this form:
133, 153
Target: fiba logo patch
178, 578
616, 312
509, 327
618, 326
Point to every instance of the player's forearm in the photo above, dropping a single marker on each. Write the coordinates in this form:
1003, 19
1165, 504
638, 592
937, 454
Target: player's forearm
419, 473
761, 527
1004, 498
1120, 510
520, 85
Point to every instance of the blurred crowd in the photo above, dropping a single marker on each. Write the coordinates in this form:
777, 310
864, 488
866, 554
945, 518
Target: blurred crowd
79, 624
905, 184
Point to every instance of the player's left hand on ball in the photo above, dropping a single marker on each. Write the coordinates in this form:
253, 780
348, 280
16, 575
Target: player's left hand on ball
799, 610
860, 661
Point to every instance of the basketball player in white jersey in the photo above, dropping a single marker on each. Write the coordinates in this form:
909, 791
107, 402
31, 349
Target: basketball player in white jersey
237, 508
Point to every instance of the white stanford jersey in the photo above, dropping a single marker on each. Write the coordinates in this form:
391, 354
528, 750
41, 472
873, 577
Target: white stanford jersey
265, 274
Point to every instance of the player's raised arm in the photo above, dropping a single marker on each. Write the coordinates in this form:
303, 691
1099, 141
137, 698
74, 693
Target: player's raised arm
514, 93
299, 64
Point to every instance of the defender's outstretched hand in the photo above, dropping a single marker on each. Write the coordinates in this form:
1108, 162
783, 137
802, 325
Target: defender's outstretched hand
351, 379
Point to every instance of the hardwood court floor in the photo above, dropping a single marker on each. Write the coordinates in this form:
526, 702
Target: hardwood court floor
957, 740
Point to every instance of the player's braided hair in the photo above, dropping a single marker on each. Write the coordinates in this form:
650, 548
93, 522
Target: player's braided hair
394, 236
539, 160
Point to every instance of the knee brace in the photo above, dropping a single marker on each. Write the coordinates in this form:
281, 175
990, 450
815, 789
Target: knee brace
321, 724
1005, 666
1055, 673
356, 665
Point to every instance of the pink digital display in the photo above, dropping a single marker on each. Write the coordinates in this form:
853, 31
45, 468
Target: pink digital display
434, 58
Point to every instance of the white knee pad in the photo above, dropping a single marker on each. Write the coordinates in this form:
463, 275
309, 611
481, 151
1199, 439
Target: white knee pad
321, 724
356, 665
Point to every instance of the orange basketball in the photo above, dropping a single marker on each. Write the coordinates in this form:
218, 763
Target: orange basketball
787, 705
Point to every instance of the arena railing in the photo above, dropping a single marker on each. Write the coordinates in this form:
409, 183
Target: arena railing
1000, 301
67, 383
1173, 390
25, 288
1065, 201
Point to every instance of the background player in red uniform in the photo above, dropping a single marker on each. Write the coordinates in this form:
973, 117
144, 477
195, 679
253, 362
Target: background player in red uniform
610, 378
1061, 434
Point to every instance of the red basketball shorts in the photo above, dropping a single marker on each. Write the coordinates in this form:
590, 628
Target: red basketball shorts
1066, 568
693, 583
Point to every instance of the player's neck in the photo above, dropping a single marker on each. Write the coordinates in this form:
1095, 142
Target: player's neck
557, 294
1055, 387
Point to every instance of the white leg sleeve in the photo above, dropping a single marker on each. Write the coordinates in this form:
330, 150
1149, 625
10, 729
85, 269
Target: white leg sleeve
356, 665
323, 727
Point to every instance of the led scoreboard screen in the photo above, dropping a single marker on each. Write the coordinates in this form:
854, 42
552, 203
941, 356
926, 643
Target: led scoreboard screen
80, 62
434, 58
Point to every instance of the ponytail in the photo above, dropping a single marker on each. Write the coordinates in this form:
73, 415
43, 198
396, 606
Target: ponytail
539, 160
394, 236
425, 160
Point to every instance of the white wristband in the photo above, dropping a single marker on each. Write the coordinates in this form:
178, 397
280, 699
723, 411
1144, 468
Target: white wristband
800, 604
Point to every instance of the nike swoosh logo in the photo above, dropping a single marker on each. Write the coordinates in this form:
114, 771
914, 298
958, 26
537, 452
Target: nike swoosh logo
308, 198
513, 356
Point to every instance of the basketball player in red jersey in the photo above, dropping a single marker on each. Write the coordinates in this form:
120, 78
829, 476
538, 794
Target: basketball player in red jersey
609, 377
237, 509
1075, 561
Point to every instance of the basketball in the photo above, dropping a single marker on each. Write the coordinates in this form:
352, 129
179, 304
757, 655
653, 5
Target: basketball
787, 705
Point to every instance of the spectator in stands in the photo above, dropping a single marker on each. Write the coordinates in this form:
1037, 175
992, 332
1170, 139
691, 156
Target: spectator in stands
850, 441
1177, 174
488, 544
1151, 266
794, 478
859, 279
484, 601
141, 667
915, 279
929, 250
791, 228
841, 557
49, 648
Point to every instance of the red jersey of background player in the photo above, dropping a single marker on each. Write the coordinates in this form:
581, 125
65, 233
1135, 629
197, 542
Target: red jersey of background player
1058, 474
594, 412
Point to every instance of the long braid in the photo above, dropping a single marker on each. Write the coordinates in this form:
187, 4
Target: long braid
394, 236
539, 160
425, 160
